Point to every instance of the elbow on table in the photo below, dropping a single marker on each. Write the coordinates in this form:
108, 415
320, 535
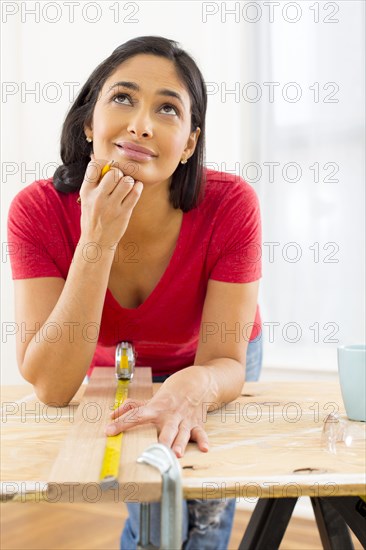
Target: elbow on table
51, 398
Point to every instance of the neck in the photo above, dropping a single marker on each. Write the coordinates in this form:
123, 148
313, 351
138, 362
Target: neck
152, 214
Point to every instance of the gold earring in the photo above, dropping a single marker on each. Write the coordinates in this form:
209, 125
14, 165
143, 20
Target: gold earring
183, 161
89, 140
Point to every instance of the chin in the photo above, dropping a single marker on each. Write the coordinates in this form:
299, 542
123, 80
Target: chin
130, 168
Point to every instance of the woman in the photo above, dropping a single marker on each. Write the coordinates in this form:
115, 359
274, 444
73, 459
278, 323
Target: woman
191, 236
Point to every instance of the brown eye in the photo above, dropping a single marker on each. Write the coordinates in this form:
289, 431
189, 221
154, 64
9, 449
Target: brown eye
120, 95
170, 107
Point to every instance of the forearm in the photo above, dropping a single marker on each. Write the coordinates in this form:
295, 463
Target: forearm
211, 385
56, 363
228, 377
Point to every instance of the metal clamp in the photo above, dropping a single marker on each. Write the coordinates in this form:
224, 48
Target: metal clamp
125, 361
162, 457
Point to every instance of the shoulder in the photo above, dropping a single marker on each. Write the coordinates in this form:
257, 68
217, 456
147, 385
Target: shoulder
39, 198
223, 188
38, 190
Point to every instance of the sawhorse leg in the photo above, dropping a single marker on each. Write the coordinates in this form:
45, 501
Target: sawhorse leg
333, 530
333, 516
268, 524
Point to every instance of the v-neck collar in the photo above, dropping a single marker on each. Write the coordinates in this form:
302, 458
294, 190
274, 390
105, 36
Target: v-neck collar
181, 241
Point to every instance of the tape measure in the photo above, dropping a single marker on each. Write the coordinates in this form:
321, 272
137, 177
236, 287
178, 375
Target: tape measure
125, 367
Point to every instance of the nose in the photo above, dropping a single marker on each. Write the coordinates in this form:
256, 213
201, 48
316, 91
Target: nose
140, 123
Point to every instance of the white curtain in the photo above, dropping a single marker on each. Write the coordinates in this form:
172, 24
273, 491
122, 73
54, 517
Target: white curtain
313, 199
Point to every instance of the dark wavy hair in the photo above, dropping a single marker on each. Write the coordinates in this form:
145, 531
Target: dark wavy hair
188, 180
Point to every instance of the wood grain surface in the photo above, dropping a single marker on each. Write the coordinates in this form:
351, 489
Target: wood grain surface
78, 464
56, 453
266, 444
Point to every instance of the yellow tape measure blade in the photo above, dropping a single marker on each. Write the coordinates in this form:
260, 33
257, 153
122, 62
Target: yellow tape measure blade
111, 459
121, 393
112, 453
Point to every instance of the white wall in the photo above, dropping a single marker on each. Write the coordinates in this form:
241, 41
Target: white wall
230, 52
323, 295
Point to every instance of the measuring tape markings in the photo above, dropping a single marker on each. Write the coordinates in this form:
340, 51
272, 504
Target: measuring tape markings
112, 453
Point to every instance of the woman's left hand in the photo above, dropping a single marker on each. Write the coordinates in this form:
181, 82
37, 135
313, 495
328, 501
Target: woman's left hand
176, 410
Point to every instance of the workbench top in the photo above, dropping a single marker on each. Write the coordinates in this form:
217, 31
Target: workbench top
267, 443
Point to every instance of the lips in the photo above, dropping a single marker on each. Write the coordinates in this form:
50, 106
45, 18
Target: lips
134, 147
134, 155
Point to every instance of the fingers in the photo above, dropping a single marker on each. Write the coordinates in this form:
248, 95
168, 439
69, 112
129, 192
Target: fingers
127, 200
113, 183
113, 180
131, 418
137, 413
179, 442
199, 435
98, 168
175, 432
170, 433
125, 187
92, 175
178, 437
126, 406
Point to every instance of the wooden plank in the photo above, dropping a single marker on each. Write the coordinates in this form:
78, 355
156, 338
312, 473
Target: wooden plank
75, 473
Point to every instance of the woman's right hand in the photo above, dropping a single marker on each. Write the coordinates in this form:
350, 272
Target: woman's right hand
107, 203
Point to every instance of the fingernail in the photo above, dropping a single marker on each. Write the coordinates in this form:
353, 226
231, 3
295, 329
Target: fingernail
178, 449
111, 429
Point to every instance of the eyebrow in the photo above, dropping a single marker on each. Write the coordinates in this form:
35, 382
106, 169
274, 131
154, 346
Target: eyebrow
133, 86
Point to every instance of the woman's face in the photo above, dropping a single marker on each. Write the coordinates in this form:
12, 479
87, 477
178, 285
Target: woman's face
139, 113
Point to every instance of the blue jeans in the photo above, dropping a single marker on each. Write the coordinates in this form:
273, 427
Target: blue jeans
207, 523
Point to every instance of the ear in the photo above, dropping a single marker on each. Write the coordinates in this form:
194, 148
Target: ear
192, 142
88, 130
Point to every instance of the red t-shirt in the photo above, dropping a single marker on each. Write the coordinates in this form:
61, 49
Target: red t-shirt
220, 239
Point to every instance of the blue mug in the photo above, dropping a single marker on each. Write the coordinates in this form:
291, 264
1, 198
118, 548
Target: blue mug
352, 378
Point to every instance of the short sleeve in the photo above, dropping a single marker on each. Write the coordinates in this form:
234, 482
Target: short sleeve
29, 239
236, 244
